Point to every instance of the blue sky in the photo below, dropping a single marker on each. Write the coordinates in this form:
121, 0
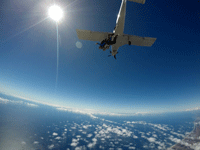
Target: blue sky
164, 77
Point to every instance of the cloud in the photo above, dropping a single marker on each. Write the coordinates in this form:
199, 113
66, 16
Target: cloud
55, 134
151, 139
89, 135
78, 136
145, 146
74, 144
135, 137
94, 140
154, 135
86, 126
50, 146
131, 147
159, 126
181, 135
174, 139
91, 145
58, 138
23, 143
81, 148
5, 101
92, 112
75, 140
2, 100
193, 109
35, 142
31, 105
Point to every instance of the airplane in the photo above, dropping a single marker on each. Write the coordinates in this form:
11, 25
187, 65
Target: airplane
117, 38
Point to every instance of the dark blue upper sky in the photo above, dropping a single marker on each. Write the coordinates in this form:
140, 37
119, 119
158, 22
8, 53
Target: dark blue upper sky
164, 77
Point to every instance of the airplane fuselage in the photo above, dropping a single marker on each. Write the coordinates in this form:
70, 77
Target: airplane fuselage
119, 28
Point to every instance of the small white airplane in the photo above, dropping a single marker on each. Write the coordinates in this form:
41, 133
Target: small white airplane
117, 38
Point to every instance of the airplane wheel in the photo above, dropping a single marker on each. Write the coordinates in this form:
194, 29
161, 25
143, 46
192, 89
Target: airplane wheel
129, 42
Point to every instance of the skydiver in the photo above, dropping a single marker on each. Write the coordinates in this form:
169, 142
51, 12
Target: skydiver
110, 42
107, 41
102, 44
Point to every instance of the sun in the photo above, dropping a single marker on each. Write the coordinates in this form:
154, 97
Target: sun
55, 12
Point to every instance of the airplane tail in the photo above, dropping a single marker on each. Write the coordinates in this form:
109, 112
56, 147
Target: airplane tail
138, 1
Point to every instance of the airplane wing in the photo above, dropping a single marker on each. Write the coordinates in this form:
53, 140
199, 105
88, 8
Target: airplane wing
91, 35
138, 1
138, 41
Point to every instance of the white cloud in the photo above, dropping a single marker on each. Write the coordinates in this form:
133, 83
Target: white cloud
35, 142
131, 147
90, 145
181, 135
58, 138
84, 132
148, 133
89, 135
2, 100
159, 126
193, 109
135, 137
55, 134
104, 125
81, 148
23, 143
78, 136
86, 126
75, 140
145, 146
151, 139
94, 139
174, 139
74, 144
154, 135
31, 105
51, 146
5, 101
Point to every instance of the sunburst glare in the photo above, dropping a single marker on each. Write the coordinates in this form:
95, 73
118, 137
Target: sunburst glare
56, 13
